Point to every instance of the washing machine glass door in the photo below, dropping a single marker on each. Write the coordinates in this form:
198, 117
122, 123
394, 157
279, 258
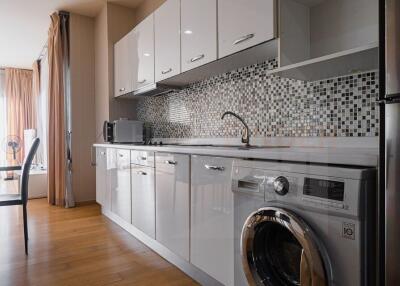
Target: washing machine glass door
279, 248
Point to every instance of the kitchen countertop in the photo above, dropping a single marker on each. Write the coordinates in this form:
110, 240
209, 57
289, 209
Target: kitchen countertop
339, 156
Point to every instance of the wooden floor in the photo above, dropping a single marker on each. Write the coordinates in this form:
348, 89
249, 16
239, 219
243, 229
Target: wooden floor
77, 247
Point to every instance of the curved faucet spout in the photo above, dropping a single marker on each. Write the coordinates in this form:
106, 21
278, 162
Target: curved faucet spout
246, 133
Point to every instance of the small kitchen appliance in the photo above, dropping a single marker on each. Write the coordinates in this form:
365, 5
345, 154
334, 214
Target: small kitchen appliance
123, 131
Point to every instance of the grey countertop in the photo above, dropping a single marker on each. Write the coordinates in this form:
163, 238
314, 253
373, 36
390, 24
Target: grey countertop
325, 155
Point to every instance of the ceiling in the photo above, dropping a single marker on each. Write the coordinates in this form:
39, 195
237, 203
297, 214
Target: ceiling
24, 25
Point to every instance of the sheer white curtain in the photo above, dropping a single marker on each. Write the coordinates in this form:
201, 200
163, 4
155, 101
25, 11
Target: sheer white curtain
42, 114
3, 119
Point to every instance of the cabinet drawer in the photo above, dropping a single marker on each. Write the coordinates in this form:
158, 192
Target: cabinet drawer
143, 158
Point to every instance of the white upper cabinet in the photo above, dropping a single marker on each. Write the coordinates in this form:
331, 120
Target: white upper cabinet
243, 24
199, 32
167, 40
125, 65
144, 53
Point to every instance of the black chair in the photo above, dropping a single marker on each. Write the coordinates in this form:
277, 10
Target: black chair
22, 197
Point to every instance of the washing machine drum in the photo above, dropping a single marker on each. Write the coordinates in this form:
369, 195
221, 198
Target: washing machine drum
279, 248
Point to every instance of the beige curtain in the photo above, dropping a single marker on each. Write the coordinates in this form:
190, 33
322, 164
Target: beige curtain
56, 131
36, 79
21, 106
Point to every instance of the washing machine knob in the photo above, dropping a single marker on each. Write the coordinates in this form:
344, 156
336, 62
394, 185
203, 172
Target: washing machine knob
281, 186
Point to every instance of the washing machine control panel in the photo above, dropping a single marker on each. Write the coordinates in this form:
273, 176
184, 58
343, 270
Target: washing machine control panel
327, 188
325, 193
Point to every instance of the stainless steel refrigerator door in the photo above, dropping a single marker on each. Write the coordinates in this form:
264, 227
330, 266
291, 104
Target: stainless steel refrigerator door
392, 60
392, 215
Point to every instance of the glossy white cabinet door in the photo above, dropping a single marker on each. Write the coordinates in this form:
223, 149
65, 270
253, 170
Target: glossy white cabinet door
144, 36
118, 167
243, 24
211, 246
143, 199
101, 175
199, 32
172, 202
121, 85
167, 24
125, 64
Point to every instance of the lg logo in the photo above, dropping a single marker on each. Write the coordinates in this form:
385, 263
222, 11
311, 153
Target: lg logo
348, 230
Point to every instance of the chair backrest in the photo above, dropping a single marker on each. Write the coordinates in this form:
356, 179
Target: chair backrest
25, 169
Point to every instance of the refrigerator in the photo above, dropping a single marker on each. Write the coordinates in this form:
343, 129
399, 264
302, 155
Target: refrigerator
389, 205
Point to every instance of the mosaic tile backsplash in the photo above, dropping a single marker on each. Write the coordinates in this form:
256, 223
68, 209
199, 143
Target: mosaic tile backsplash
271, 106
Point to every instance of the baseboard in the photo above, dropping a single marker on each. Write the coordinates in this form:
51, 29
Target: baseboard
37, 197
85, 203
189, 269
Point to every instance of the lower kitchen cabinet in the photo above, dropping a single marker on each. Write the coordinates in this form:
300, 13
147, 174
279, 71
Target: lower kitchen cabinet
211, 240
172, 202
143, 199
119, 174
101, 177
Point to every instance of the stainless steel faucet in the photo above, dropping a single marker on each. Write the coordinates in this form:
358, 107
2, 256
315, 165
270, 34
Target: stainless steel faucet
246, 132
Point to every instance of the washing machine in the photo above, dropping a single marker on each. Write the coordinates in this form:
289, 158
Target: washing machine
303, 224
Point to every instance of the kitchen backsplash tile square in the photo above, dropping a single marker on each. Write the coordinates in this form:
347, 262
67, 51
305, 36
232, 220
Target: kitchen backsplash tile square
271, 106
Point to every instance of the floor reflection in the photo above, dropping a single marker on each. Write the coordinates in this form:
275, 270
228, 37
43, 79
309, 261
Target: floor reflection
76, 246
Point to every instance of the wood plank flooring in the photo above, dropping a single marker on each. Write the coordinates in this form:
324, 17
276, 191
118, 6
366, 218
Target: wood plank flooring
77, 247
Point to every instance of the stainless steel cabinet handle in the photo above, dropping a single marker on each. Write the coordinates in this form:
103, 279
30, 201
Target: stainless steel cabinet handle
122, 89
141, 173
166, 71
195, 59
243, 39
121, 155
142, 81
142, 158
102, 153
170, 162
215, 168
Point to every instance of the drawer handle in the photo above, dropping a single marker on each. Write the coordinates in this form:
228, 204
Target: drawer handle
195, 59
122, 89
102, 153
170, 162
166, 71
214, 168
142, 158
141, 173
142, 81
121, 155
243, 39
